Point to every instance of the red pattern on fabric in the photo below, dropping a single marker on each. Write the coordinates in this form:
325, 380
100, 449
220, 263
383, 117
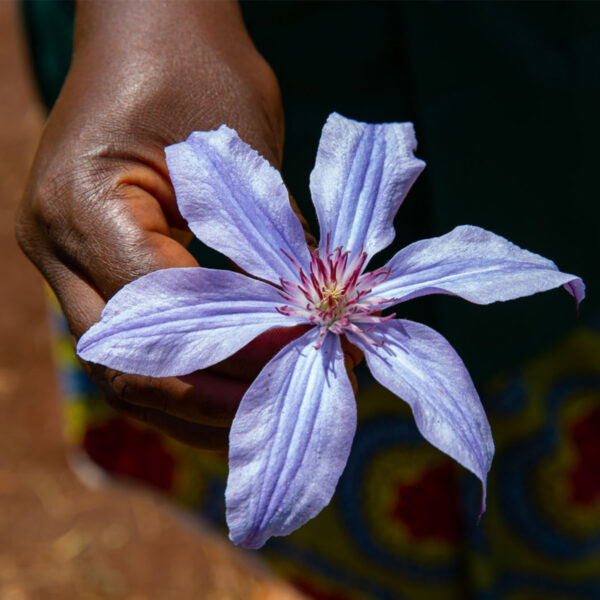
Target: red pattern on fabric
312, 591
585, 473
429, 507
123, 449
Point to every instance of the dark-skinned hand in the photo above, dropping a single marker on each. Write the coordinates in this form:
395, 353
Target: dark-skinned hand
99, 210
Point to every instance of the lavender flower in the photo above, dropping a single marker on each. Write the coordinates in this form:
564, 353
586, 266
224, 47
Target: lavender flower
292, 433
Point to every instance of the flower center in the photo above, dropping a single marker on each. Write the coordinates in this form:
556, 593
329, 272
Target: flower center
335, 294
332, 295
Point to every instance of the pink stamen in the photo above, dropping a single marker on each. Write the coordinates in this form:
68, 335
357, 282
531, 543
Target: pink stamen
292, 260
334, 294
316, 284
321, 337
304, 279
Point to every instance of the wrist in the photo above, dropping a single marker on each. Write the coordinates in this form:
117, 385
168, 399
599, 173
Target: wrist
188, 34
198, 54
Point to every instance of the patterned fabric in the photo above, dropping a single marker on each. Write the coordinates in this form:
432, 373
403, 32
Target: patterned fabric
402, 522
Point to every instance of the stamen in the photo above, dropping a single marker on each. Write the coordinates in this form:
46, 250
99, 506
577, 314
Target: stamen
304, 279
321, 337
316, 284
334, 294
292, 260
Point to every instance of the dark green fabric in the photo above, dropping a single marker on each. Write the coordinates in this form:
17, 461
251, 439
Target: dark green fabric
49, 25
504, 96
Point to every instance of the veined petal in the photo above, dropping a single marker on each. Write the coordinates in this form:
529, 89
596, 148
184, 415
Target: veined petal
290, 441
235, 202
176, 321
477, 265
420, 366
361, 176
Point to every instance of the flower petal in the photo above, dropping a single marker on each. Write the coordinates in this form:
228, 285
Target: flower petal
290, 441
235, 202
176, 321
477, 265
361, 176
419, 365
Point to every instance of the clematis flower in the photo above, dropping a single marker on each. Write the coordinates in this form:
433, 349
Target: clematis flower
293, 430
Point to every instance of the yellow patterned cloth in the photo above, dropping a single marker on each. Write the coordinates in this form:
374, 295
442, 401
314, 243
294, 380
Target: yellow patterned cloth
402, 523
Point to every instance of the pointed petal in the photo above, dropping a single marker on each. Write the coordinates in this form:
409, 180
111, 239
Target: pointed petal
290, 441
361, 176
235, 202
420, 366
477, 265
176, 321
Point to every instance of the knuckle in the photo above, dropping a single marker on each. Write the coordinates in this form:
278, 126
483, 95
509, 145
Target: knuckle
138, 390
139, 413
43, 220
61, 204
46, 202
24, 235
114, 398
120, 384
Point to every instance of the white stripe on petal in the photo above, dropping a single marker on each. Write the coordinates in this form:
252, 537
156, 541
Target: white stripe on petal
235, 202
290, 441
361, 176
419, 366
176, 321
475, 264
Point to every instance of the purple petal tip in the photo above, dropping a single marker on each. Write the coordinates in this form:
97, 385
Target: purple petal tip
576, 288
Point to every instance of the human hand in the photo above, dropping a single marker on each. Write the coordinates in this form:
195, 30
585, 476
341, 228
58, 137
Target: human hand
99, 210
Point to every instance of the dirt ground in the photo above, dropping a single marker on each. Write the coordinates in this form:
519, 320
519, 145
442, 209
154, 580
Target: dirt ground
58, 538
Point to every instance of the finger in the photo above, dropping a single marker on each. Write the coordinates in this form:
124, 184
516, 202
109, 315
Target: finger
349, 364
182, 237
153, 178
135, 242
352, 358
350, 350
203, 437
110, 237
247, 363
80, 301
201, 398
